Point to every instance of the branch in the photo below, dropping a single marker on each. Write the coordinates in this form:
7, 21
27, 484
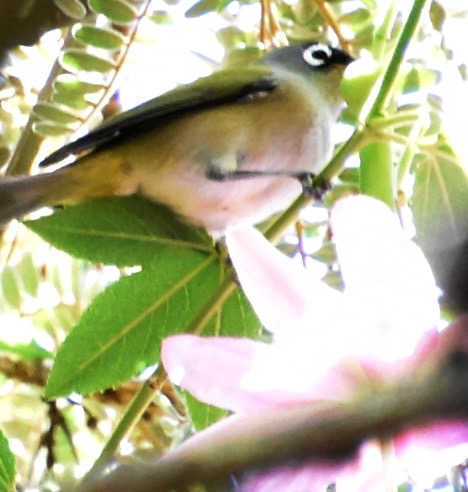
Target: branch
293, 435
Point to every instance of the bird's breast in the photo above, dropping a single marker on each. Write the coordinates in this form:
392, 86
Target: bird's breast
283, 132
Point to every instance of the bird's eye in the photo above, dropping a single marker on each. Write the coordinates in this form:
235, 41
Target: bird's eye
317, 55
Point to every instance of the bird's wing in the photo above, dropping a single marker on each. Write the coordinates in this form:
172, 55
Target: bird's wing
219, 88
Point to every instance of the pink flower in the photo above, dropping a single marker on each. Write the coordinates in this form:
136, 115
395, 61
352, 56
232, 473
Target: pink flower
327, 345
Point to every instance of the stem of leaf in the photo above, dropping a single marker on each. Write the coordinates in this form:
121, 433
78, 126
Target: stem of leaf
391, 74
408, 153
28, 146
376, 172
213, 306
274, 231
134, 411
359, 138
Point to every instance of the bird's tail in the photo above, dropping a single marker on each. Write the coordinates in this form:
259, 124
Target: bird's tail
20, 195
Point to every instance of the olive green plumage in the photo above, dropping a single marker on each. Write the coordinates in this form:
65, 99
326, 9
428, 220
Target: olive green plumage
184, 148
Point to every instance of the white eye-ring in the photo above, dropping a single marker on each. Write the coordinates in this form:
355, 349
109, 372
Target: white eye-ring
317, 55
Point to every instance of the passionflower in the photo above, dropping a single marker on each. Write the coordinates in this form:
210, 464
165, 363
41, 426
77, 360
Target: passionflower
327, 345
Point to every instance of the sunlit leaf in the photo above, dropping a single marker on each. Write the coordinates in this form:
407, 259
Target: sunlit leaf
73, 8
235, 319
357, 19
119, 11
357, 84
7, 466
28, 273
418, 78
77, 60
326, 253
119, 231
202, 7
10, 287
69, 85
202, 414
76, 102
29, 351
161, 17
54, 113
350, 175
47, 129
437, 15
121, 332
222, 4
440, 199
231, 37
99, 37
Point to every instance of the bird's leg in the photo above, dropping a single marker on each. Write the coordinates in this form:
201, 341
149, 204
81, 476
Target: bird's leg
306, 179
311, 187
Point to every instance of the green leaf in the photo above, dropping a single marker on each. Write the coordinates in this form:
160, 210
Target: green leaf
357, 19
7, 466
47, 129
99, 37
76, 60
73, 8
28, 273
376, 172
202, 7
117, 11
10, 287
121, 231
357, 84
68, 84
418, 78
231, 37
161, 17
28, 351
77, 102
223, 4
235, 319
326, 253
350, 175
440, 199
437, 15
54, 114
202, 414
121, 332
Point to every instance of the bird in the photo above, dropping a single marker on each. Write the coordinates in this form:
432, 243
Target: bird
219, 152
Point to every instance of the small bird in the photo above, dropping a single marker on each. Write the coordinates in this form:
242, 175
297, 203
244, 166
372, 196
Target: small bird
220, 151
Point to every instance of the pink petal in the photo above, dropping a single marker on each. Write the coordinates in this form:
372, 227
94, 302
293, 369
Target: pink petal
212, 369
361, 473
429, 452
279, 290
310, 478
387, 278
243, 375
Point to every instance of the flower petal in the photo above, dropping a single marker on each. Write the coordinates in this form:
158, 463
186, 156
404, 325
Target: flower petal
429, 452
386, 276
283, 295
362, 472
308, 478
212, 369
243, 375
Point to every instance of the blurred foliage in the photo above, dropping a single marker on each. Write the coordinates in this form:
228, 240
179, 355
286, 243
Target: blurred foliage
137, 273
